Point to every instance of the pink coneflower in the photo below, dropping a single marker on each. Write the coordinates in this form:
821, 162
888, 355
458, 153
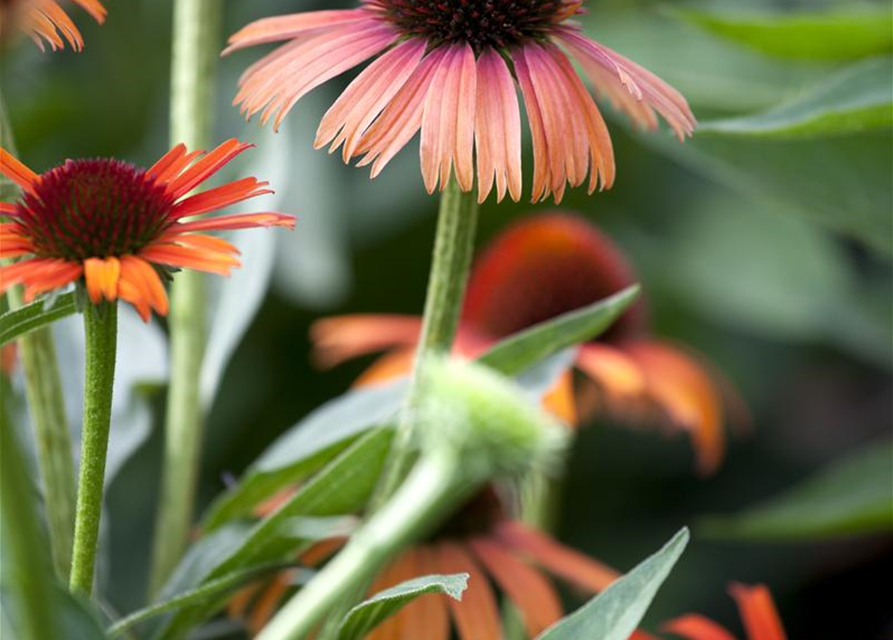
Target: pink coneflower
46, 22
538, 269
450, 69
119, 230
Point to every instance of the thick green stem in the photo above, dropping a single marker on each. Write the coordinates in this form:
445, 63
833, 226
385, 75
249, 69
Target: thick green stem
101, 330
195, 48
428, 495
450, 265
43, 387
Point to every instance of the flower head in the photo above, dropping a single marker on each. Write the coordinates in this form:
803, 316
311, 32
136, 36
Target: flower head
758, 613
46, 22
120, 230
543, 267
449, 68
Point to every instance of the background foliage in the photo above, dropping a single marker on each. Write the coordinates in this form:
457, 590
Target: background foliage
765, 243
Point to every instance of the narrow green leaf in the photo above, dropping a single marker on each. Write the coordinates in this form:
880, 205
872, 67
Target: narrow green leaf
858, 98
15, 324
616, 612
367, 615
343, 486
522, 350
844, 34
851, 497
210, 590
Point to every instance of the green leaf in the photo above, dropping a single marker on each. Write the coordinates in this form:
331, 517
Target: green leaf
210, 590
858, 98
616, 612
341, 487
851, 497
367, 615
844, 34
522, 350
307, 446
15, 324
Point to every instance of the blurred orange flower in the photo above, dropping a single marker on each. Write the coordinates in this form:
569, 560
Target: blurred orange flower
46, 22
758, 613
542, 267
119, 230
449, 69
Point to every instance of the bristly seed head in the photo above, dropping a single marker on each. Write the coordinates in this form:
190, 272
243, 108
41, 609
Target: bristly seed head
480, 23
94, 209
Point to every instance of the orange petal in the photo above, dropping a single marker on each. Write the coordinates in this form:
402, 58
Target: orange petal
145, 278
102, 277
573, 566
695, 627
524, 585
400, 570
206, 166
758, 612
426, 616
267, 602
388, 367
560, 402
220, 197
341, 338
238, 221
680, 385
17, 172
175, 256
477, 616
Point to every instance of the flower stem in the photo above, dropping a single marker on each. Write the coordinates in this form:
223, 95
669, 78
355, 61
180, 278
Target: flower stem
192, 105
43, 387
101, 331
450, 266
428, 495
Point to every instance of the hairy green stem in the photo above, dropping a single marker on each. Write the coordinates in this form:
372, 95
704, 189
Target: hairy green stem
43, 387
195, 48
428, 495
101, 331
450, 266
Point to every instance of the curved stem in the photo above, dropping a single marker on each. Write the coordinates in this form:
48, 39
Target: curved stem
43, 387
101, 330
192, 105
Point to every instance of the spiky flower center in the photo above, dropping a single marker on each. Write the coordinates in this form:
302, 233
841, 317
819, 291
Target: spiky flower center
94, 209
480, 23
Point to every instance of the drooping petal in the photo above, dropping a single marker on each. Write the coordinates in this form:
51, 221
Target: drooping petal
477, 616
280, 28
399, 571
102, 278
401, 119
680, 385
389, 367
695, 627
267, 602
448, 121
612, 370
366, 97
336, 340
277, 83
16, 171
645, 87
567, 563
144, 277
527, 588
181, 257
497, 129
560, 401
426, 616
39, 275
758, 612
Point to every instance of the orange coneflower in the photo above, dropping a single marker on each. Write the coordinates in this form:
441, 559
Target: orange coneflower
118, 229
46, 22
758, 613
449, 68
502, 555
540, 268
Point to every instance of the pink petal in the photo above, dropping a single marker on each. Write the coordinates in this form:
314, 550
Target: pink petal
291, 26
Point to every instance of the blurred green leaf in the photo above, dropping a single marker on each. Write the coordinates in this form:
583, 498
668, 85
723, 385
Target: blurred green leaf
367, 615
212, 589
307, 446
342, 487
15, 324
842, 34
616, 612
859, 98
522, 350
851, 497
